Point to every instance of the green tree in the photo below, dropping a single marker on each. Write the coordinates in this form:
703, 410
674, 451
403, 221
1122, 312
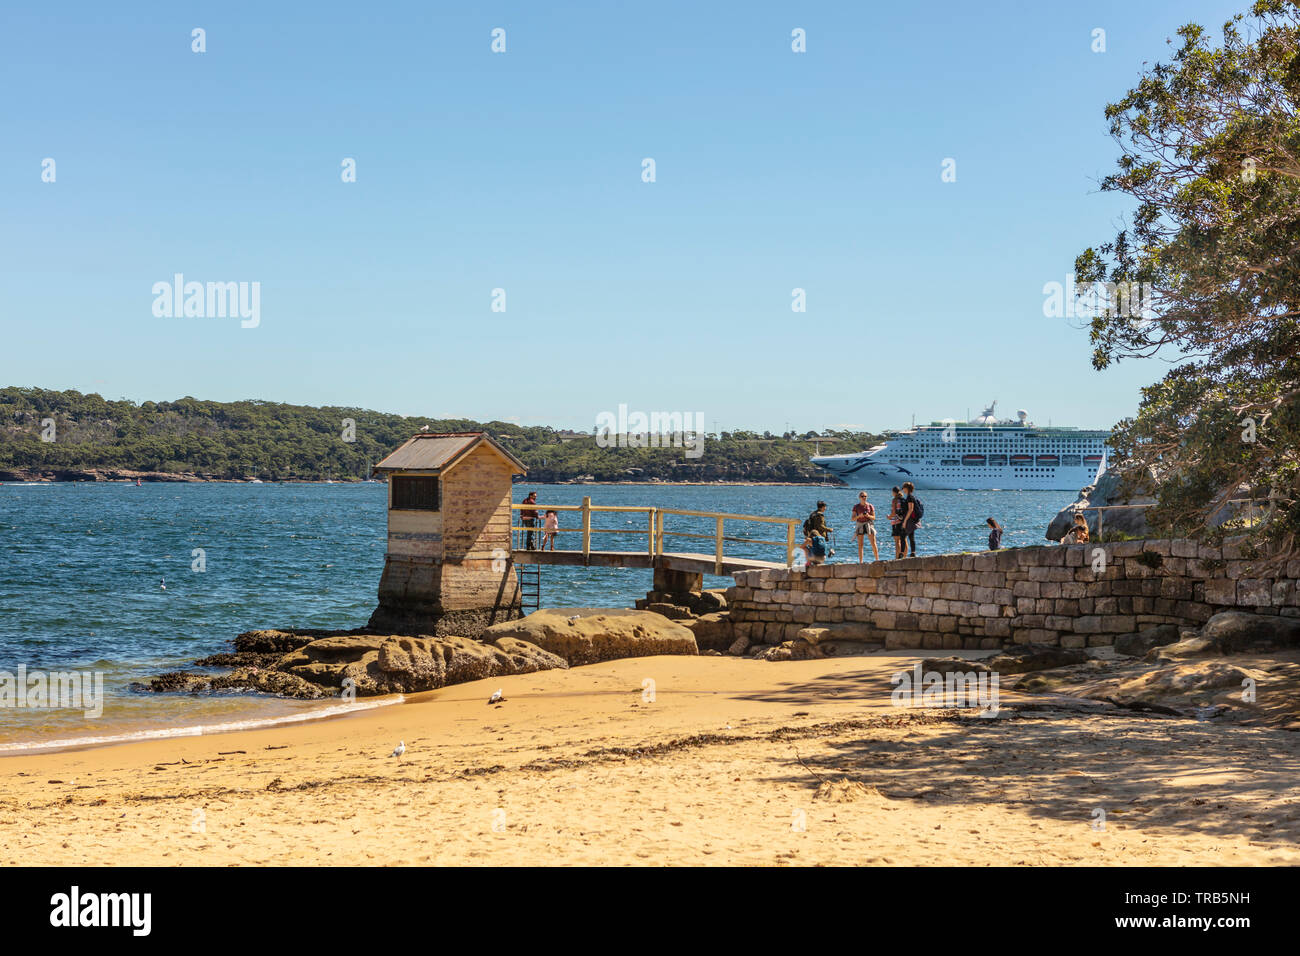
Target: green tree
1210, 150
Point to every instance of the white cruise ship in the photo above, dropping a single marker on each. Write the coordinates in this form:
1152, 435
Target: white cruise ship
981, 454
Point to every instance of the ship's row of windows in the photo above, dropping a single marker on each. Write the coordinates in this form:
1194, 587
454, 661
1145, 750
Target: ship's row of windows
1006, 444
1069, 461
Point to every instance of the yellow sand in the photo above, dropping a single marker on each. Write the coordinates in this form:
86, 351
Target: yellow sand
733, 762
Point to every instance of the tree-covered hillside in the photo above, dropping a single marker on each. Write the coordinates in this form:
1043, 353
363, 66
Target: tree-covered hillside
232, 440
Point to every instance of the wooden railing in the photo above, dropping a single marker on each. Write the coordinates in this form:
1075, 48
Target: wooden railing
719, 537
655, 527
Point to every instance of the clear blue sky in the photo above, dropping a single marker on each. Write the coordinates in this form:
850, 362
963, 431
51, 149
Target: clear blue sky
522, 171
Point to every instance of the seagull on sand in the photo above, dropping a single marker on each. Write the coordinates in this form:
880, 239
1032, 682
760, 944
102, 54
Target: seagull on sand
496, 697
399, 750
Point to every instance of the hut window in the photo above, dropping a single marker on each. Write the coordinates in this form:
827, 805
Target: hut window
416, 494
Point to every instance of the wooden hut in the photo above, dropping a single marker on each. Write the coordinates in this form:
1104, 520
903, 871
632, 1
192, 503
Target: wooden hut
448, 569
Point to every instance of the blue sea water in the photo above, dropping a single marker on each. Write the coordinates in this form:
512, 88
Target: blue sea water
81, 566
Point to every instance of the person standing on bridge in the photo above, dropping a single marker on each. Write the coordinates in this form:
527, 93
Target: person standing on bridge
529, 516
550, 526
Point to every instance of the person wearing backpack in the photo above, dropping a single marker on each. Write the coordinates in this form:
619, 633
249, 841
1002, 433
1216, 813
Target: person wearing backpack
913, 511
814, 548
816, 522
818, 534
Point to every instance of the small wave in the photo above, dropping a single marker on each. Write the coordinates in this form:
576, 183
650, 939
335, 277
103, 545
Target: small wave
198, 730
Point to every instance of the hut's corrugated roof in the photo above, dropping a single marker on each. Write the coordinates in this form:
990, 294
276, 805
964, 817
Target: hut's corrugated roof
436, 451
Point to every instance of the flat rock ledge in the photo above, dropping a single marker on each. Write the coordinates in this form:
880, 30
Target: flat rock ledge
315, 664
591, 635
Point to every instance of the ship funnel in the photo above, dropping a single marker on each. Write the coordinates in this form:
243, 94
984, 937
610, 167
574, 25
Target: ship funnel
1022, 415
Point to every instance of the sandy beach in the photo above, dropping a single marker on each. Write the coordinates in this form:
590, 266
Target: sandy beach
728, 761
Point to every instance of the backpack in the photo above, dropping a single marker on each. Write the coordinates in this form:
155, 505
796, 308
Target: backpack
807, 524
818, 546
918, 509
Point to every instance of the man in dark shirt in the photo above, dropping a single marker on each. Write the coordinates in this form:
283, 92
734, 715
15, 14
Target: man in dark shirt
529, 516
817, 520
910, 521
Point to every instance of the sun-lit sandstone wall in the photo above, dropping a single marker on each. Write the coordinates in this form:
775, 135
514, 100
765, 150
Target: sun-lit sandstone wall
1045, 595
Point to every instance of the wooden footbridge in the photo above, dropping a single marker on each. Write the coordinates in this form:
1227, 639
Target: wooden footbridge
449, 509
655, 525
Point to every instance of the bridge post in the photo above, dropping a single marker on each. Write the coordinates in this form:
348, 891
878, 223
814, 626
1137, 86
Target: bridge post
677, 582
650, 538
717, 554
789, 544
586, 529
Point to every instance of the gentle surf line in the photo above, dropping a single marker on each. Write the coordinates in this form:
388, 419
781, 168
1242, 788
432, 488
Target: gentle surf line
198, 730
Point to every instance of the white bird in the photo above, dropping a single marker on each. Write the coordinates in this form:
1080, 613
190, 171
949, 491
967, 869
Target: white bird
163, 584
496, 697
399, 750
575, 617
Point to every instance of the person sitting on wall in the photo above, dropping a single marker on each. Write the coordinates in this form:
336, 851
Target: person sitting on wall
815, 547
1078, 533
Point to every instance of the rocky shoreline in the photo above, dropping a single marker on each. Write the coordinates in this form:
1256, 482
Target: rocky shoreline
57, 475
312, 664
54, 475
1202, 673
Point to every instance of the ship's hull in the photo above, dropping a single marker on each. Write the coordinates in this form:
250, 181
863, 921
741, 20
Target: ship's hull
866, 473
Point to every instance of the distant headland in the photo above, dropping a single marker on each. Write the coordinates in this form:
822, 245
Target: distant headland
48, 435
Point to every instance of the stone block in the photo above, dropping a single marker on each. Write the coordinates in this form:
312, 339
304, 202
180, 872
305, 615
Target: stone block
1254, 592
1221, 591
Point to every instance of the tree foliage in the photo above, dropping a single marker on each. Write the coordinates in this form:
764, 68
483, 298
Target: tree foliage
1210, 150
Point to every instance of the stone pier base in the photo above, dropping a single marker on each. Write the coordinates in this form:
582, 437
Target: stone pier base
677, 581
424, 596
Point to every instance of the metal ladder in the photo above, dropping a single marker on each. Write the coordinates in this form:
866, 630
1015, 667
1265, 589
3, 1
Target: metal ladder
530, 586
